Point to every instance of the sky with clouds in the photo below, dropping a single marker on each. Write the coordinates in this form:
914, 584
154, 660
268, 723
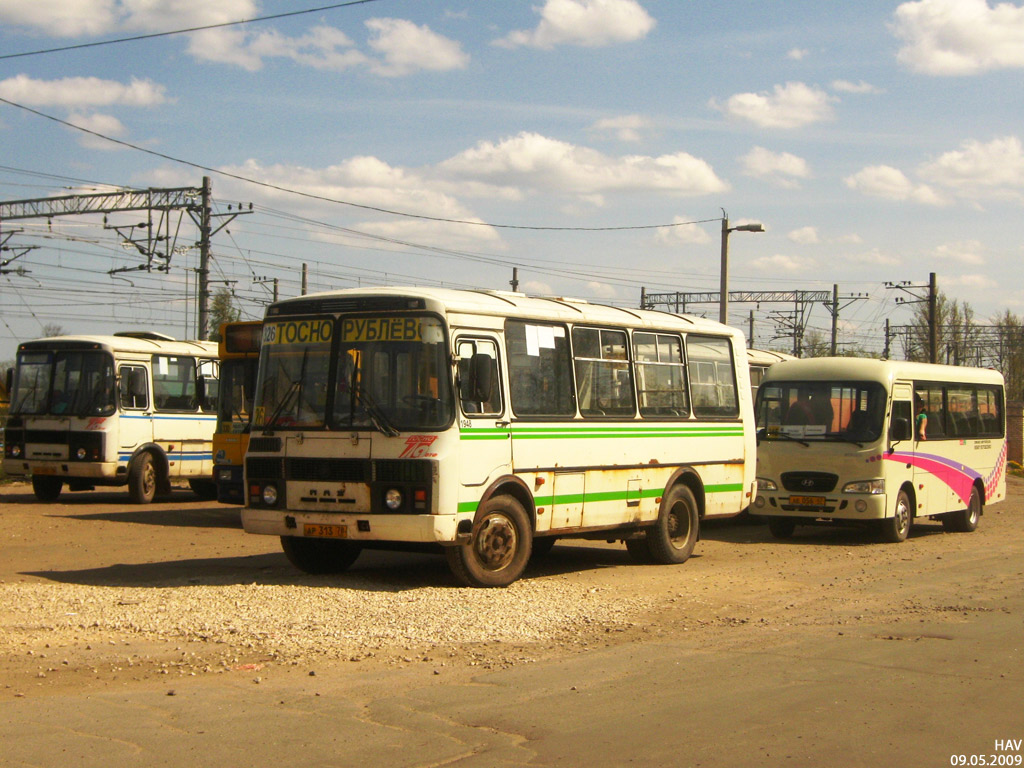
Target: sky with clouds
591, 145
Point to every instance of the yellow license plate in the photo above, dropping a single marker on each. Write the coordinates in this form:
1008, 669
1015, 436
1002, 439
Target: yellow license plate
44, 470
807, 501
325, 531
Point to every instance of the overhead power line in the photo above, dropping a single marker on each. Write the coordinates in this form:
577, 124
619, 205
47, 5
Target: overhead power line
325, 199
185, 31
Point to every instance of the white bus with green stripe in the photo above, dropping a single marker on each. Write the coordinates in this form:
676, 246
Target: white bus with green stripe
489, 424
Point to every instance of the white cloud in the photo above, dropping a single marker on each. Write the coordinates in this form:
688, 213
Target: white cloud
846, 86
74, 92
792, 105
978, 169
683, 233
536, 288
892, 184
959, 37
374, 183
805, 236
975, 281
782, 263
61, 18
321, 48
963, 252
601, 290
780, 168
589, 23
104, 124
797, 54
874, 257
540, 163
624, 128
407, 48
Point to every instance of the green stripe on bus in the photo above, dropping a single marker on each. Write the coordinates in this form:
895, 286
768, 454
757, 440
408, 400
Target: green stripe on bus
591, 498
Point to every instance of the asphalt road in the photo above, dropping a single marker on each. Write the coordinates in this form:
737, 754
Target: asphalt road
828, 649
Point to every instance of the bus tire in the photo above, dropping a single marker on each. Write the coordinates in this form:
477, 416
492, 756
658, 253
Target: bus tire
320, 556
781, 527
46, 488
639, 551
672, 538
142, 479
964, 520
896, 528
204, 489
499, 547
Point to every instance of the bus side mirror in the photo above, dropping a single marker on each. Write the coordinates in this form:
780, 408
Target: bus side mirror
481, 381
900, 430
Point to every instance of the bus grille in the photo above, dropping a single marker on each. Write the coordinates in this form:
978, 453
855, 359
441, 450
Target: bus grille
264, 468
265, 444
809, 482
359, 470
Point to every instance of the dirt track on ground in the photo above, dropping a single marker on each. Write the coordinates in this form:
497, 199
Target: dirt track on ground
171, 634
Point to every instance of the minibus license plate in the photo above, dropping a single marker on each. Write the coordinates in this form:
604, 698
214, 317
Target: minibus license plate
807, 501
325, 531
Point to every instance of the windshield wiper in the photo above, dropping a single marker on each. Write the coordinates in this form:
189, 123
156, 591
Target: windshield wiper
377, 416
293, 388
787, 436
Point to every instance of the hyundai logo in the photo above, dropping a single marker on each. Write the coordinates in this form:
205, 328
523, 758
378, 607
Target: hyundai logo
807, 483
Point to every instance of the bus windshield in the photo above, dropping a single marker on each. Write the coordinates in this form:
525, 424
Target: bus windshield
387, 373
64, 383
852, 411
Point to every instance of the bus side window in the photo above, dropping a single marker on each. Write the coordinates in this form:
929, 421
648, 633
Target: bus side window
479, 381
133, 387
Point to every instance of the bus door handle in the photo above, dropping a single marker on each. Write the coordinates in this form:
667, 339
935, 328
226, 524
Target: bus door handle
503, 424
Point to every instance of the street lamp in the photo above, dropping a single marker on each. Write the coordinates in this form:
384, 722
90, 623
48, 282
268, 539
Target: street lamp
723, 297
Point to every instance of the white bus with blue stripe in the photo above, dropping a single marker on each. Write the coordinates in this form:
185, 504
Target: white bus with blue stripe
491, 424
133, 408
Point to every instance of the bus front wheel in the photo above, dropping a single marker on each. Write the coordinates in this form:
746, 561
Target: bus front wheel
46, 488
142, 479
319, 556
781, 527
964, 520
499, 547
896, 528
672, 538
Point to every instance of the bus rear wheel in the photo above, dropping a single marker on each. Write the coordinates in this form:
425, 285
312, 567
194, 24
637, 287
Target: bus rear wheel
964, 520
896, 528
319, 556
46, 488
499, 547
672, 538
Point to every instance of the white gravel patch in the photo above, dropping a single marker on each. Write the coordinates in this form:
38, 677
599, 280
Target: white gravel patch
299, 620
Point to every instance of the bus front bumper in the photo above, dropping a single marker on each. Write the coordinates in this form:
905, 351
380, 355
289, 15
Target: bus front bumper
843, 506
100, 471
426, 528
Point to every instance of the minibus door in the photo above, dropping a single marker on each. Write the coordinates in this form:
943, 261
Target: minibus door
900, 472
485, 445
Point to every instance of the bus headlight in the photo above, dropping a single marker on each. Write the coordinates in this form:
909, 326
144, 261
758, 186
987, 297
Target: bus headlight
393, 499
764, 484
873, 487
80, 454
15, 451
269, 495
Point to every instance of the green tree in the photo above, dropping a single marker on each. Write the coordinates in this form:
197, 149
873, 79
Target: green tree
958, 336
222, 310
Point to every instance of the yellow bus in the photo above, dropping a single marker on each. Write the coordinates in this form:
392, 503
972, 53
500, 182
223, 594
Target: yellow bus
879, 442
239, 353
491, 423
134, 408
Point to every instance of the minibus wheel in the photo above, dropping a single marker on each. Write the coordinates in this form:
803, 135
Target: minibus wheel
672, 538
46, 488
318, 556
896, 528
499, 548
781, 527
964, 520
142, 479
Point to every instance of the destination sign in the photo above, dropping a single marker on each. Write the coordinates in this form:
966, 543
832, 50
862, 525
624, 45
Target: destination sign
356, 329
298, 332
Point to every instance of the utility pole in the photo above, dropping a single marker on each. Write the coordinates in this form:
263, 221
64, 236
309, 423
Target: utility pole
515, 282
203, 289
932, 298
305, 278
